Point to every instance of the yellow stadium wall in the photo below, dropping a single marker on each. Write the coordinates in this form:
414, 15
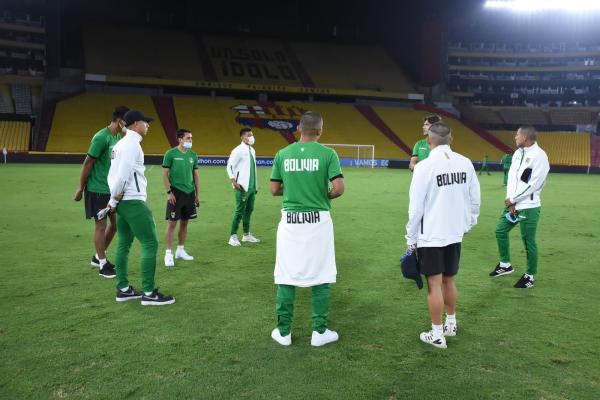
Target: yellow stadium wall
77, 119
563, 148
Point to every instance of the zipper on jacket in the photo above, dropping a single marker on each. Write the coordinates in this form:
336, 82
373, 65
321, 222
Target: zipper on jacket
422, 224
136, 182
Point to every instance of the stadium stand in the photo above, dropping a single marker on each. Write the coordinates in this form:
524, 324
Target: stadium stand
351, 66
78, 118
14, 135
6, 103
407, 123
563, 148
215, 126
22, 98
160, 54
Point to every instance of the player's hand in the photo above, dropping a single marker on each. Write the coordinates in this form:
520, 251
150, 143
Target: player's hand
171, 199
197, 201
78, 194
236, 186
507, 202
512, 210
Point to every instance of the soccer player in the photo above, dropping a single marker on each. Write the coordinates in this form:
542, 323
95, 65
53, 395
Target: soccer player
241, 169
506, 162
526, 179
94, 186
444, 205
180, 177
484, 165
305, 254
127, 185
421, 148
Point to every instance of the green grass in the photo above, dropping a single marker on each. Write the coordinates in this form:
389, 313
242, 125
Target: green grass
62, 335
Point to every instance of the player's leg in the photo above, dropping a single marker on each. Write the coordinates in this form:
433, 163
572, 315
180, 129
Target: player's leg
240, 205
187, 212
248, 237
111, 230
124, 241
320, 311
451, 261
431, 264
528, 235
284, 307
169, 232
503, 228
435, 298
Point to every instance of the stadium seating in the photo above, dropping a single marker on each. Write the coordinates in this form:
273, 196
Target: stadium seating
21, 94
407, 124
14, 135
6, 103
78, 118
161, 54
563, 148
351, 66
213, 122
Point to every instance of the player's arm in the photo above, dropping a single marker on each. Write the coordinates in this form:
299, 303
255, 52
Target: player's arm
276, 187
413, 162
86, 168
231, 163
416, 206
337, 188
475, 198
167, 184
197, 187
125, 161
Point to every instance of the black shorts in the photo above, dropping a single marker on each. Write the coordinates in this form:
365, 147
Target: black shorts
94, 202
439, 260
184, 207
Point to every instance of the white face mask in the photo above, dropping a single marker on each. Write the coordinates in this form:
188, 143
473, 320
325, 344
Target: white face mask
251, 140
187, 145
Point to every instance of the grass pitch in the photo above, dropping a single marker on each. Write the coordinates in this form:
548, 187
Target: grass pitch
62, 335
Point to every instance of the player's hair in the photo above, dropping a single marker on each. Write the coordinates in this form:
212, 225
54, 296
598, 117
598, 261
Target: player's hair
244, 130
310, 123
119, 112
440, 133
529, 131
432, 119
181, 133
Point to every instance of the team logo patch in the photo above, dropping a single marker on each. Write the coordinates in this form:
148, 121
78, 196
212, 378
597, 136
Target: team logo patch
270, 116
191, 160
173, 214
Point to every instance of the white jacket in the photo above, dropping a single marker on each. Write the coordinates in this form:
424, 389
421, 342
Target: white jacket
444, 199
527, 176
238, 165
126, 174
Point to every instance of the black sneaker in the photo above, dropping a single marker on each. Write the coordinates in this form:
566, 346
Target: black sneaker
108, 271
499, 271
95, 262
156, 299
129, 294
524, 283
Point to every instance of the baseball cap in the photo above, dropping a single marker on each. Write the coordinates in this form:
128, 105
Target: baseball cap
132, 116
410, 269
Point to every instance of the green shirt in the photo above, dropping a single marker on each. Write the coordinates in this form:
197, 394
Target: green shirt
252, 183
305, 170
421, 149
485, 160
181, 169
506, 161
101, 149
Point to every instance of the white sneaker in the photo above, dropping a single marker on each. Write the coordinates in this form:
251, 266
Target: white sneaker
450, 329
233, 241
169, 261
429, 338
181, 253
282, 340
321, 339
250, 238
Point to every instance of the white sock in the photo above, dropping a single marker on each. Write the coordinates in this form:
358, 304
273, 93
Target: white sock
179, 247
529, 276
96, 255
124, 289
438, 330
451, 318
147, 293
102, 262
234, 235
504, 265
168, 251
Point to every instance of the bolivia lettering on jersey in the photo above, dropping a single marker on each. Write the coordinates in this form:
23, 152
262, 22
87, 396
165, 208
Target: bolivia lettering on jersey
310, 217
302, 164
451, 178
